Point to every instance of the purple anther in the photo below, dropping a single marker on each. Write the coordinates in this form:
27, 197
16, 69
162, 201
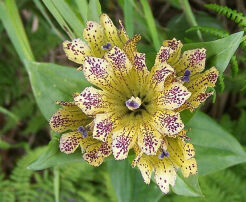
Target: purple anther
132, 104
83, 132
106, 46
186, 77
163, 154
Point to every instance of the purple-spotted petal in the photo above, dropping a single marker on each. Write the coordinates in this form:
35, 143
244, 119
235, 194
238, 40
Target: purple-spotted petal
163, 55
168, 122
149, 139
173, 96
92, 101
69, 142
123, 140
104, 125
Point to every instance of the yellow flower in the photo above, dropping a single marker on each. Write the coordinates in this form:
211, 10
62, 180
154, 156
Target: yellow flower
99, 37
71, 120
174, 153
133, 105
188, 68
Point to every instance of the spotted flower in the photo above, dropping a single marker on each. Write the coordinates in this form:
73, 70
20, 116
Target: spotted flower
70, 121
99, 38
189, 68
173, 153
131, 104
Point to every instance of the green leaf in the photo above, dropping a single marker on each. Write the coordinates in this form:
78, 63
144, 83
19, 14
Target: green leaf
52, 156
151, 23
216, 149
51, 83
129, 185
128, 17
94, 10
187, 186
219, 52
83, 8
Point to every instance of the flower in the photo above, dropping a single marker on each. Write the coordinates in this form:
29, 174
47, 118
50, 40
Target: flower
188, 68
133, 105
174, 153
99, 37
71, 120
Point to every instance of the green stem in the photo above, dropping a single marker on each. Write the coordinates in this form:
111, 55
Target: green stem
56, 183
190, 16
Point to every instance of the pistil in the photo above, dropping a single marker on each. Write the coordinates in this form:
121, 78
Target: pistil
133, 103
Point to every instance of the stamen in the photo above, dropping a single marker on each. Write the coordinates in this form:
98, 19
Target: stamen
133, 103
186, 77
106, 46
163, 154
83, 132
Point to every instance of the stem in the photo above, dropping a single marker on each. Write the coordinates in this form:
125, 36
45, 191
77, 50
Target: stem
56, 184
190, 16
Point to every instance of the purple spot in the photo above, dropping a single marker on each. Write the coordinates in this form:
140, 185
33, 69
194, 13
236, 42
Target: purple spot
82, 130
132, 104
106, 46
163, 154
186, 77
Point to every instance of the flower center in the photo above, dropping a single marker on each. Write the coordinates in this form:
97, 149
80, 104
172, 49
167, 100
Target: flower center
82, 131
133, 103
163, 154
106, 46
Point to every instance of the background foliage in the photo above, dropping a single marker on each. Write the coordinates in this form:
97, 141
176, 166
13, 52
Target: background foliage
34, 73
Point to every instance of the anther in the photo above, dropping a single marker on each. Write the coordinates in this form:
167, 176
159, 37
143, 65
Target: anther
133, 103
82, 131
106, 46
163, 154
186, 77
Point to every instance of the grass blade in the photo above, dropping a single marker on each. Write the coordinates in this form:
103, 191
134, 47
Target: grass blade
128, 17
83, 8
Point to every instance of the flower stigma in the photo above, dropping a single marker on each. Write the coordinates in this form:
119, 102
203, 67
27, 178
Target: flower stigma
133, 103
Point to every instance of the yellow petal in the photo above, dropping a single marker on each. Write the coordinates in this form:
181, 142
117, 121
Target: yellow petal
130, 47
110, 31
70, 117
145, 168
173, 96
159, 74
163, 55
119, 62
104, 125
193, 60
165, 174
69, 142
168, 122
179, 157
76, 50
176, 46
189, 151
94, 35
98, 72
149, 139
92, 101
123, 35
123, 140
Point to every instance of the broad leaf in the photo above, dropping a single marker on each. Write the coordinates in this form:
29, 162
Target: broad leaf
216, 149
219, 52
51, 83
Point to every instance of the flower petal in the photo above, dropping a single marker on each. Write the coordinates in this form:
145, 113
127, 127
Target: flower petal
98, 72
110, 31
163, 55
193, 60
123, 140
123, 35
94, 35
76, 50
104, 125
70, 117
189, 151
165, 174
168, 122
149, 139
173, 96
69, 142
92, 101
145, 168
159, 74
207, 78
130, 47
176, 46
178, 156
119, 61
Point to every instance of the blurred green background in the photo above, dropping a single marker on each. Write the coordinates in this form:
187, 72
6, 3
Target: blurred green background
24, 131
